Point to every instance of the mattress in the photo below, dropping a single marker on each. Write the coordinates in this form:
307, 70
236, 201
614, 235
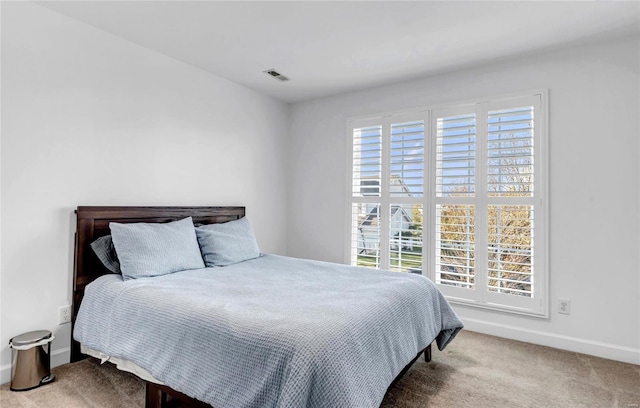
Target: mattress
121, 364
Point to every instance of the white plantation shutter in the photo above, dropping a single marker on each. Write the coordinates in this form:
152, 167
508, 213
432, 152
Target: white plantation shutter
365, 238
407, 159
455, 245
515, 208
510, 152
456, 155
453, 206
406, 180
510, 250
387, 183
474, 176
405, 245
366, 184
510, 173
367, 161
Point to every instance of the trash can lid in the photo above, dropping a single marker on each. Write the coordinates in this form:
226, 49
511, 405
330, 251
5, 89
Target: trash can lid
30, 338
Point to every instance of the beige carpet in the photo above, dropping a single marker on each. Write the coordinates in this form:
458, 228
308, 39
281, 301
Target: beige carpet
474, 371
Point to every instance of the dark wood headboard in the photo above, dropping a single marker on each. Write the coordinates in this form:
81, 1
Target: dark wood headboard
93, 222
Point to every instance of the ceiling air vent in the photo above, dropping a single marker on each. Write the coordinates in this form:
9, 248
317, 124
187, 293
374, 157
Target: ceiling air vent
276, 74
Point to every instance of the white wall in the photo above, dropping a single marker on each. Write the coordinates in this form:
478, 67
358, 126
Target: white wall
594, 189
91, 119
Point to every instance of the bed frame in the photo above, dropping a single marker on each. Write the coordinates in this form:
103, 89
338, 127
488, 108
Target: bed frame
93, 222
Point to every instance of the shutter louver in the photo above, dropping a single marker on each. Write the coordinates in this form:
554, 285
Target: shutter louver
510, 251
455, 245
407, 160
367, 161
456, 156
365, 240
510, 152
405, 245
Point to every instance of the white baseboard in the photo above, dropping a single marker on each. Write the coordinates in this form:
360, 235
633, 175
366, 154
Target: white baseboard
58, 357
594, 348
5, 373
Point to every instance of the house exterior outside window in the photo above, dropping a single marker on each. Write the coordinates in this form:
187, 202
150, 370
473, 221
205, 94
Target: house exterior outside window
459, 194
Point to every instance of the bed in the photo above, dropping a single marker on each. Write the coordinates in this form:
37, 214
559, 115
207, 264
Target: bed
272, 331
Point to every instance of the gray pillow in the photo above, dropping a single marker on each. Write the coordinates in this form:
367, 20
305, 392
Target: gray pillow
106, 252
146, 250
228, 243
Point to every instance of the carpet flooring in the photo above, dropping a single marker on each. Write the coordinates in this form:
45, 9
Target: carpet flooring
476, 370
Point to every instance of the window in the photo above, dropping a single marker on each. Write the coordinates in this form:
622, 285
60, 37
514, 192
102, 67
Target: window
457, 193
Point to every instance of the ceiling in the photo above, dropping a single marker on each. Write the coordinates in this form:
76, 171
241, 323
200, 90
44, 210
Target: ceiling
327, 47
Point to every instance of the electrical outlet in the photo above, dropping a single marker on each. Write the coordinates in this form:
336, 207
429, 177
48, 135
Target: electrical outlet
64, 314
564, 306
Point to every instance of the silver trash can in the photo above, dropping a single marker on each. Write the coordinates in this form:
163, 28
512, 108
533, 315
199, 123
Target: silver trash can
31, 360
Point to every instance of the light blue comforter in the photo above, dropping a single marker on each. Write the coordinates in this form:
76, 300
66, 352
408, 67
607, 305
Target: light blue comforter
269, 332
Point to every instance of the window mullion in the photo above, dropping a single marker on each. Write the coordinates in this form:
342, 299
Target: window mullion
385, 192
431, 198
481, 229
540, 197
428, 231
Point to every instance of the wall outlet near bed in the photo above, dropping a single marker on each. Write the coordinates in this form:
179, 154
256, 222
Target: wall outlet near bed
564, 306
64, 314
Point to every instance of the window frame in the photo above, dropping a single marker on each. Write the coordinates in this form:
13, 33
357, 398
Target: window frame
538, 304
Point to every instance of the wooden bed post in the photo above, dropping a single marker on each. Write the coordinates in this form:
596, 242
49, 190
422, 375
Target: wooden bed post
161, 396
427, 354
155, 398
